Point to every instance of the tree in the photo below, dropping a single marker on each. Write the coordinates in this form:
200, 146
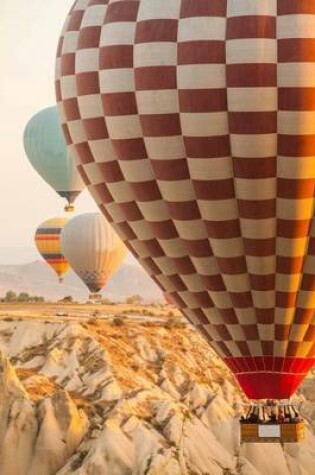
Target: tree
134, 300
23, 297
10, 296
36, 299
67, 299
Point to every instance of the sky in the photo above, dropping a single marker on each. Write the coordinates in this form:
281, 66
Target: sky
29, 33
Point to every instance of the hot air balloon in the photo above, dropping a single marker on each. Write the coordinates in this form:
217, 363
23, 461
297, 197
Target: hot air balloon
168, 298
199, 121
93, 250
47, 240
46, 149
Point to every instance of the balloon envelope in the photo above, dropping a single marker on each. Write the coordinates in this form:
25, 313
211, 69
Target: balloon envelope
199, 119
168, 298
93, 249
47, 240
46, 150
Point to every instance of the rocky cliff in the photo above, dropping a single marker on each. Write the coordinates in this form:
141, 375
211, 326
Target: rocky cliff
120, 397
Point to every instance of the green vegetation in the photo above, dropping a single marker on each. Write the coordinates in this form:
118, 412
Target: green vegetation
174, 322
134, 300
66, 299
11, 297
119, 320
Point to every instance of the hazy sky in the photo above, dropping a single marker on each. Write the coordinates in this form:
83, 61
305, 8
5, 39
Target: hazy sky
29, 34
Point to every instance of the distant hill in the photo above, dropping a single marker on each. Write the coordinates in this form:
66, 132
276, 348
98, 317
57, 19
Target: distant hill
37, 278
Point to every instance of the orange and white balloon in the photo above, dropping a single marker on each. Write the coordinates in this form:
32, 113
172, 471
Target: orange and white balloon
93, 249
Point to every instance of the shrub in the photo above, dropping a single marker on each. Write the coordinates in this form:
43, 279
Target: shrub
67, 299
93, 321
134, 300
174, 322
118, 321
77, 463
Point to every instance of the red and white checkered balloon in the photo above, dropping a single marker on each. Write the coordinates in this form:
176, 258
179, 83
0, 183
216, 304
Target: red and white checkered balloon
193, 124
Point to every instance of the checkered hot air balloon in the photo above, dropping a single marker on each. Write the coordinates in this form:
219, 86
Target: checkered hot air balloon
46, 150
47, 240
93, 249
193, 123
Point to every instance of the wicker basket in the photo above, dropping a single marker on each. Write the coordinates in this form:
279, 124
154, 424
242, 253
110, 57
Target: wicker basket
260, 433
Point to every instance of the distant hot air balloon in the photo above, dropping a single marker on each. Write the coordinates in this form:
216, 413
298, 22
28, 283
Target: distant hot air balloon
199, 121
93, 249
47, 240
46, 149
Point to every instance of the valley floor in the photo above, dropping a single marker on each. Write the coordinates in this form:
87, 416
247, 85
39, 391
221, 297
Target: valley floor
125, 391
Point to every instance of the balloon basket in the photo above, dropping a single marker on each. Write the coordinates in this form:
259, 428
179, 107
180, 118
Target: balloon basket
69, 208
95, 298
273, 433
272, 423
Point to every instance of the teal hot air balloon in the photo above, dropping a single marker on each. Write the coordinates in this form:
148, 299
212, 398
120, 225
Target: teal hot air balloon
46, 149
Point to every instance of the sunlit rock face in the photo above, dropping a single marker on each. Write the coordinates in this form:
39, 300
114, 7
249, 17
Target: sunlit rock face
36, 438
142, 397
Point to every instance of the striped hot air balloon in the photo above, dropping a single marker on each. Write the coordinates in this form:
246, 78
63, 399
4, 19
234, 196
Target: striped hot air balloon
93, 249
47, 240
46, 150
193, 123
